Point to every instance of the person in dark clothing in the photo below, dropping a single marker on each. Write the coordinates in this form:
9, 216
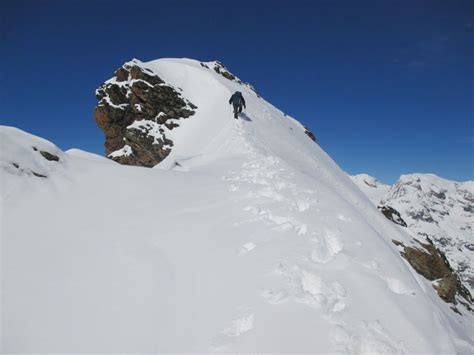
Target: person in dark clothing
237, 100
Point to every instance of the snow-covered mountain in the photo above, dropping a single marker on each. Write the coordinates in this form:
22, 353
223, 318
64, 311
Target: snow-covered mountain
436, 209
246, 237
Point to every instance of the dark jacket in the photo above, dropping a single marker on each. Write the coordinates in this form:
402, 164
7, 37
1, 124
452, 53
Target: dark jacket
237, 99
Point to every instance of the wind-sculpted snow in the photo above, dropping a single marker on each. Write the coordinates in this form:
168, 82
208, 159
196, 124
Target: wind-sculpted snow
246, 238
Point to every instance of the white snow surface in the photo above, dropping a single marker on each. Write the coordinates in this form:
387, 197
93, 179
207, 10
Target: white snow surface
374, 189
247, 238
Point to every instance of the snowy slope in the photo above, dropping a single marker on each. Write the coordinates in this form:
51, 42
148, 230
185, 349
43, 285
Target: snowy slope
246, 238
372, 188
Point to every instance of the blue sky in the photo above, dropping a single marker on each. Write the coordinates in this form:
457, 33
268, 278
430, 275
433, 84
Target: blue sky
386, 86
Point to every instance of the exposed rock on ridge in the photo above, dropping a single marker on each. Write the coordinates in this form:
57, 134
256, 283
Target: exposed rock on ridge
432, 264
309, 134
137, 110
221, 69
393, 215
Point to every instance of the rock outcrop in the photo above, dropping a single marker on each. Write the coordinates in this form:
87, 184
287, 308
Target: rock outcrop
309, 134
433, 265
136, 111
393, 215
221, 69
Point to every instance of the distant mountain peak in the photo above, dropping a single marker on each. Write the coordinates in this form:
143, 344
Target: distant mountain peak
438, 212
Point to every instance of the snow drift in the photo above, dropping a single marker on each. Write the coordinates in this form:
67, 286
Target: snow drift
246, 238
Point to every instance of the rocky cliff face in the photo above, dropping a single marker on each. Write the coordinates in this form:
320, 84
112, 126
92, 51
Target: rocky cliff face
431, 263
136, 111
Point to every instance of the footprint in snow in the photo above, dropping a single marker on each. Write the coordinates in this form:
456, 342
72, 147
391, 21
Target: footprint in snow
343, 218
275, 297
302, 205
319, 294
240, 326
309, 288
395, 285
327, 247
367, 338
301, 229
247, 247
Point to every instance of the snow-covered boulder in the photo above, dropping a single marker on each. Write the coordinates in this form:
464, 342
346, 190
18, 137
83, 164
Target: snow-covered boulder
393, 215
26, 155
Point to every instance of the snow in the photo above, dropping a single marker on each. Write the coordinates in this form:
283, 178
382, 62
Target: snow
126, 150
110, 103
259, 242
372, 188
89, 156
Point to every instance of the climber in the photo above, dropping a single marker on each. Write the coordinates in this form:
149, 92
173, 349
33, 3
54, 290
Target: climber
237, 100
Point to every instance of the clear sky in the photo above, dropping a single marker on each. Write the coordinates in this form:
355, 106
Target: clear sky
386, 86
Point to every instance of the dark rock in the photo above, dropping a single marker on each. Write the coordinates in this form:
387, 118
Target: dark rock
121, 74
138, 73
468, 196
469, 246
49, 156
393, 215
421, 215
141, 96
469, 208
441, 195
431, 263
38, 175
219, 68
370, 185
309, 134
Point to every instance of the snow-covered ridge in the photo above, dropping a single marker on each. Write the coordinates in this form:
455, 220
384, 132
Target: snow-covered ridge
143, 125
247, 237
